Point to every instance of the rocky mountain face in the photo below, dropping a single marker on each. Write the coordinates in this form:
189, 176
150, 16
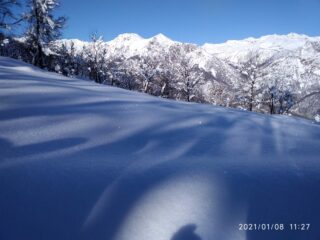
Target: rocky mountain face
275, 73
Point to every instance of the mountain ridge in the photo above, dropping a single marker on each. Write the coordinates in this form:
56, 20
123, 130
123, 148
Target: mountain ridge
129, 34
288, 63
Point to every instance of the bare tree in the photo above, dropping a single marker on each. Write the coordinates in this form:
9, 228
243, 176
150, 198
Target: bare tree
96, 58
252, 73
127, 74
308, 98
187, 75
165, 79
112, 70
220, 94
147, 69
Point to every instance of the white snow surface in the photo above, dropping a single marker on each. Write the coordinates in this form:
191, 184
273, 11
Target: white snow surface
85, 161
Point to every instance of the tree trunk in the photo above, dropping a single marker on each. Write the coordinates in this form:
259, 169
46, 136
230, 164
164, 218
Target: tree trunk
272, 104
146, 85
251, 96
38, 58
163, 89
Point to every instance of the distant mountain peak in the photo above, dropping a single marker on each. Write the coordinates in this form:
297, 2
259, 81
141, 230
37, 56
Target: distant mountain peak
161, 39
128, 37
296, 35
291, 35
161, 36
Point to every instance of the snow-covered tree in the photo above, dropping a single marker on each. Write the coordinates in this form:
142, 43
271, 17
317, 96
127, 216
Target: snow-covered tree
307, 103
187, 75
220, 94
148, 69
252, 74
80, 63
166, 77
96, 59
43, 28
276, 96
127, 74
74, 60
112, 67
71, 62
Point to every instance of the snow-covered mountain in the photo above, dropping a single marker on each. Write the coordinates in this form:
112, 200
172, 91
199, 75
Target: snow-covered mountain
236, 50
84, 161
130, 45
292, 56
288, 63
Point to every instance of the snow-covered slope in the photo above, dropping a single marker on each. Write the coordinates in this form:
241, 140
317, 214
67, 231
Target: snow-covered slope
85, 161
294, 58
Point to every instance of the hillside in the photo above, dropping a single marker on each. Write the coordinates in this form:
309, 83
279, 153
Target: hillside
283, 67
84, 161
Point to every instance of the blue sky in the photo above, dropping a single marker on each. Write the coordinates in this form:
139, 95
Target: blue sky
196, 21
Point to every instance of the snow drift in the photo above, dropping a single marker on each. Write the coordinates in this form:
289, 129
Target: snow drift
84, 161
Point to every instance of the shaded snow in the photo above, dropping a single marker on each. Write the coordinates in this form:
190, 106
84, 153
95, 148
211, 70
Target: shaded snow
84, 161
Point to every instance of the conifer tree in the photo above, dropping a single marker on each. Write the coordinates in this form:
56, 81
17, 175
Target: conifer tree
43, 28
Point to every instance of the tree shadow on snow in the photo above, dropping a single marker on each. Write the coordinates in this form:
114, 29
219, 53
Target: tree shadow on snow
9, 151
101, 185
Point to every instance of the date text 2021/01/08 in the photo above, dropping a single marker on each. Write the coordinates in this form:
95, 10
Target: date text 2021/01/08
274, 226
